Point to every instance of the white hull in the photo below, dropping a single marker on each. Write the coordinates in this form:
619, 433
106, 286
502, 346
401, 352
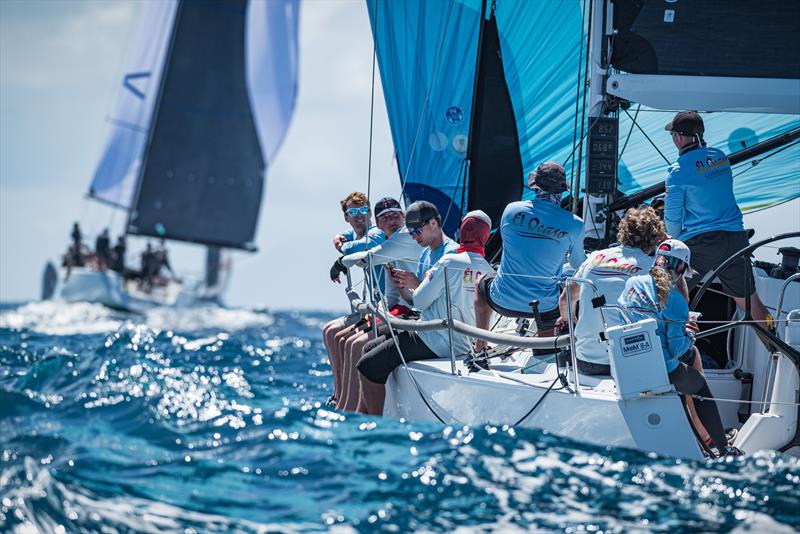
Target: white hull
107, 288
651, 423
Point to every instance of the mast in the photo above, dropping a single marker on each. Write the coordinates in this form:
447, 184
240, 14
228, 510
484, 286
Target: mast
601, 164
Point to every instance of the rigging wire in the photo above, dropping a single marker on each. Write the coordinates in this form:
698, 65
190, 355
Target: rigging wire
372, 106
404, 176
577, 99
755, 162
647, 137
630, 131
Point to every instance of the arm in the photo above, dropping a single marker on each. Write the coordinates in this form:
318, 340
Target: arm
406, 282
431, 288
677, 315
575, 294
673, 206
367, 242
577, 255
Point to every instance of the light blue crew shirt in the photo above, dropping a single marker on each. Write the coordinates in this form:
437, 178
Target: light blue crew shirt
700, 195
429, 256
537, 238
641, 299
372, 239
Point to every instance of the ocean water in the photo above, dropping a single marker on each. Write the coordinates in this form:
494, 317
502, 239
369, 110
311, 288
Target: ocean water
211, 421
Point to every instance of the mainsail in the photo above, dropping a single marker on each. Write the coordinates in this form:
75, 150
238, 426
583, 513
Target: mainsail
202, 112
427, 53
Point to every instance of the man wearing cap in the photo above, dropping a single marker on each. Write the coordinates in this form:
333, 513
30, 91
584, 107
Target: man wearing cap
399, 251
462, 268
700, 210
425, 226
537, 237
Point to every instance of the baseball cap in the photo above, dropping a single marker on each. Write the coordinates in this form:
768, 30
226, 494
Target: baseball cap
478, 214
687, 123
387, 205
672, 248
419, 213
550, 177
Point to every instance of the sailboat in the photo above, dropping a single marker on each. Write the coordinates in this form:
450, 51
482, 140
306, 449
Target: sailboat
203, 107
584, 83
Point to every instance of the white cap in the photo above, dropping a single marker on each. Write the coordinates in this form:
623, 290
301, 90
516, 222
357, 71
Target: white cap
673, 248
480, 215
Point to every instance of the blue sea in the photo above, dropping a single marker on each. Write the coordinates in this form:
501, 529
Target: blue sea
213, 420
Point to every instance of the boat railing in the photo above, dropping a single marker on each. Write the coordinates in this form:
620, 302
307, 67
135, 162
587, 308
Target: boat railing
361, 304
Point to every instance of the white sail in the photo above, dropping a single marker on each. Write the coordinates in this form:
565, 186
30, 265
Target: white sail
116, 175
272, 68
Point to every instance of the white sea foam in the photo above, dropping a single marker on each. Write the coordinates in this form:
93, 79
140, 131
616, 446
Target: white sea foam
62, 319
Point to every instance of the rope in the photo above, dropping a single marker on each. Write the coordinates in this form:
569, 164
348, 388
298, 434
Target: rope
541, 399
577, 100
372, 105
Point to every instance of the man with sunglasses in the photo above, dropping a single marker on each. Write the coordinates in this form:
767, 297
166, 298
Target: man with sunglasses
424, 224
383, 354
399, 251
360, 236
701, 210
538, 235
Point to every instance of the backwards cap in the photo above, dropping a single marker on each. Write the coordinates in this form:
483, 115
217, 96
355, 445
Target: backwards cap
672, 248
419, 213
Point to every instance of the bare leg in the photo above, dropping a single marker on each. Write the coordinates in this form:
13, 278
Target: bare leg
345, 368
353, 386
759, 312
328, 333
704, 435
373, 396
483, 314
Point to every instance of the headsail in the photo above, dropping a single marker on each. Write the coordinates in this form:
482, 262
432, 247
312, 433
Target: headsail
204, 105
116, 176
427, 56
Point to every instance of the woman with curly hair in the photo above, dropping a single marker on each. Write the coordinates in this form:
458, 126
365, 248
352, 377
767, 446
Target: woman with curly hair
639, 233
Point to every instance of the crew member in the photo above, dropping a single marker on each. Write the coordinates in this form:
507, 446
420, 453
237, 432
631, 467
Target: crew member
700, 209
655, 295
361, 236
102, 250
399, 251
639, 232
537, 237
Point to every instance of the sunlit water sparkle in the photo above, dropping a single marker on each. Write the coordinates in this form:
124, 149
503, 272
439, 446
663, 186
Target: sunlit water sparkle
211, 420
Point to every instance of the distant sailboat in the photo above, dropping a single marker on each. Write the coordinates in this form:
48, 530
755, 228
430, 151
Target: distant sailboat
203, 107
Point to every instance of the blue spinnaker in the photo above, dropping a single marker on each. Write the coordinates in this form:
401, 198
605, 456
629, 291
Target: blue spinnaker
427, 53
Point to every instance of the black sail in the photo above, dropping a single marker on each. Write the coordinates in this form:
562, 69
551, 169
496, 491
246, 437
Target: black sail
495, 171
733, 38
202, 171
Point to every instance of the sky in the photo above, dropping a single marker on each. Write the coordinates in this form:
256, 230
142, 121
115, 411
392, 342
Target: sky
61, 62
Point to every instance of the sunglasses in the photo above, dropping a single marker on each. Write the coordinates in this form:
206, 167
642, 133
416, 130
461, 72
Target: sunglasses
352, 212
414, 232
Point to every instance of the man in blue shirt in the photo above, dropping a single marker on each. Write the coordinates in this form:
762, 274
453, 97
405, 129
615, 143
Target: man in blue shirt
425, 225
538, 235
700, 210
360, 236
